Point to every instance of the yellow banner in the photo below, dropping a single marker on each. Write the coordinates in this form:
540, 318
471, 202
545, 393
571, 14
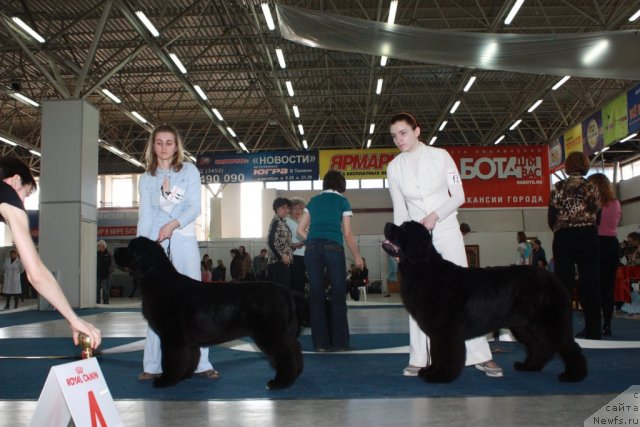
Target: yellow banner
573, 140
614, 119
357, 163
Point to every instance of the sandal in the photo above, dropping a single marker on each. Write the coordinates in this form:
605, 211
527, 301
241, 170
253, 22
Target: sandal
210, 374
145, 376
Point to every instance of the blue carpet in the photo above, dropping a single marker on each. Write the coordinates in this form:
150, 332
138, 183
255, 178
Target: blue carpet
326, 375
244, 374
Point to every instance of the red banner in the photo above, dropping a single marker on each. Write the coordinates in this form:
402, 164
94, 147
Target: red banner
503, 176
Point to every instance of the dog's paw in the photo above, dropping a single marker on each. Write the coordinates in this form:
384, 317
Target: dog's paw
571, 377
162, 382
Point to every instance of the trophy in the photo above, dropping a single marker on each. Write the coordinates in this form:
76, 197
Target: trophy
85, 343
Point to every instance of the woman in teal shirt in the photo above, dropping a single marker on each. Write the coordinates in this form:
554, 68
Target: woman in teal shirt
326, 224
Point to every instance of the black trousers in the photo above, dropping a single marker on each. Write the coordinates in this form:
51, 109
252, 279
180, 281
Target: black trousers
298, 274
580, 247
609, 260
279, 272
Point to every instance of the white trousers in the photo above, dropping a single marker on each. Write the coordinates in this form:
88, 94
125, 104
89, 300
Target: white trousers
448, 241
185, 257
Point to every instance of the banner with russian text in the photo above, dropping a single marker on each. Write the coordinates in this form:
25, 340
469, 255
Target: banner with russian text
614, 119
504, 176
233, 168
633, 109
573, 140
357, 163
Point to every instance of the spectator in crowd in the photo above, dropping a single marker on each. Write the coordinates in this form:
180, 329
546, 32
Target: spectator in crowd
298, 270
206, 268
105, 268
280, 253
260, 265
246, 274
538, 253
358, 277
219, 274
12, 286
235, 268
524, 249
572, 213
633, 241
326, 225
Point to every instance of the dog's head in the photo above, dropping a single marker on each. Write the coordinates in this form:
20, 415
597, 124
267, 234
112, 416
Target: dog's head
140, 256
411, 241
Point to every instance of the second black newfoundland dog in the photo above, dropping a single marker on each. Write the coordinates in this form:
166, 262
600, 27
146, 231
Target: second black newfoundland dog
187, 314
452, 304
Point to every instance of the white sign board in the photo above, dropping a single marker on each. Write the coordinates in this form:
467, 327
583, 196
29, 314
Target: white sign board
76, 390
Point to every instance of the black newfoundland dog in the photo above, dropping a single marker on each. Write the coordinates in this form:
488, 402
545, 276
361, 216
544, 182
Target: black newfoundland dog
187, 314
452, 304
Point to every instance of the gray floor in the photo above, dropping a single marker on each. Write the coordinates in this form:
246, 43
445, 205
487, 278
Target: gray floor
470, 411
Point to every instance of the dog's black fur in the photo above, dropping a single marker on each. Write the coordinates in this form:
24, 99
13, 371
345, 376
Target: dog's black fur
452, 304
187, 314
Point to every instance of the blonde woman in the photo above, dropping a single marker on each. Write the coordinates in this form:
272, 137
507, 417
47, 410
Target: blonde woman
169, 206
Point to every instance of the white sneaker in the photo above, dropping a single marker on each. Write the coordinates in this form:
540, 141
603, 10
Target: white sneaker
411, 371
490, 371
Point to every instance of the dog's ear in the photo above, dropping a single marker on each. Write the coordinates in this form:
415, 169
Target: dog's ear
145, 254
122, 257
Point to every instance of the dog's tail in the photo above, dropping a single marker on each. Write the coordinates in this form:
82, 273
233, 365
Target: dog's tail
300, 310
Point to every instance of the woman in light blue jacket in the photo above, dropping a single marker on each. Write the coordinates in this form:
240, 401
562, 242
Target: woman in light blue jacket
169, 206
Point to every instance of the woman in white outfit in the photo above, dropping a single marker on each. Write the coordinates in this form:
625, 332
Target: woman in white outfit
425, 186
169, 206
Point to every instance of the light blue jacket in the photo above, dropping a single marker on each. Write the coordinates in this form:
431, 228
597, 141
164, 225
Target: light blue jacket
151, 217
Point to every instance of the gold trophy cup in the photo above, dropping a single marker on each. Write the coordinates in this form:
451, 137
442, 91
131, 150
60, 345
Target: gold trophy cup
85, 342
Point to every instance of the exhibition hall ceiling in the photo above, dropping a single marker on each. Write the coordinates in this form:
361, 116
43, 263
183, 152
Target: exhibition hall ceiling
94, 48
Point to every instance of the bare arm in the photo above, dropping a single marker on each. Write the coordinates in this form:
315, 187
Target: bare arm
40, 277
303, 225
351, 240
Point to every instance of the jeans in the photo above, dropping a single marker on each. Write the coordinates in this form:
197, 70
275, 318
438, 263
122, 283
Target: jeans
321, 254
105, 284
609, 260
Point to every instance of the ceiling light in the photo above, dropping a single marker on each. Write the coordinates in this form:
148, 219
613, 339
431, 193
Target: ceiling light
217, 113
512, 13
300, 129
488, 53
379, 87
178, 63
472, 79
393, 8
433, 140
603, 150
139, 117
35, 153
442, 125
28, 29
143, 18
634, 16
244, 147
200, 92
114, 150
383, 61
135, 162
8, 141
233, 134
372, 127
633, 135
304, 144
515, 124
595, 52
24, 99
498, 140
114, 98
455, 107
369, 143
267, 16
534, 106
561, 82
280, 56
296, 112
193, 159
289, 87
